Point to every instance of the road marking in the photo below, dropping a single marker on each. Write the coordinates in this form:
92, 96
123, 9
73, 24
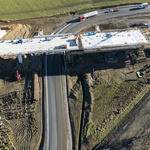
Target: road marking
63, 28
46, 99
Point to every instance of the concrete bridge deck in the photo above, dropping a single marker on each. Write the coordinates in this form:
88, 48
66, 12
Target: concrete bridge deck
68, 42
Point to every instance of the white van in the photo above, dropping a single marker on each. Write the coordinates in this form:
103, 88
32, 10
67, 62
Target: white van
143, 5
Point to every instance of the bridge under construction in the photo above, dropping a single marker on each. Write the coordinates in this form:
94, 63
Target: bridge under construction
91, 41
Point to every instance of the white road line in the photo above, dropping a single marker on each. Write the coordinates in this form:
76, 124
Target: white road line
46, 98
63, 28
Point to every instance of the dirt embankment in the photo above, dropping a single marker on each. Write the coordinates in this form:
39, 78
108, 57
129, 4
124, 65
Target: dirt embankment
19, 104
31, 27
17, 31
87, 108
109, 88
75, 101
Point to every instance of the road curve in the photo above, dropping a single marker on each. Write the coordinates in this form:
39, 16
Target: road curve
57, 129
77, 27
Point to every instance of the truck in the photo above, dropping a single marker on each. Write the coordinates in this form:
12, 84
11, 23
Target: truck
143, 5
88, 15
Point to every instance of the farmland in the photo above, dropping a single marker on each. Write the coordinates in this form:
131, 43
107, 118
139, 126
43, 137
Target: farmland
19, 9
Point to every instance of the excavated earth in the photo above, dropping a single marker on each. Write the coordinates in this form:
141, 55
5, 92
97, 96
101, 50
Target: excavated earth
101, 93
98, 91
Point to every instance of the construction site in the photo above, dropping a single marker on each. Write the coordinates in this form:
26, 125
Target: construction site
103, 86
21, 88
20, 102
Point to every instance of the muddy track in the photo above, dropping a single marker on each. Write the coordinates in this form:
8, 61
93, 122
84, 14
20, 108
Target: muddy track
25, 131
34, 30
20, 105
82, 116
86, 110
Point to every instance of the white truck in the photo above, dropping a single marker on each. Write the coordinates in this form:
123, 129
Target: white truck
143, 5
88, 15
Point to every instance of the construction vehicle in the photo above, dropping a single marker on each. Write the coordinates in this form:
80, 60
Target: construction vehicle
18, 76
88, 15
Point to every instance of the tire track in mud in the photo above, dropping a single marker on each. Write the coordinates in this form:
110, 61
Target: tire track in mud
25, 131
19, 107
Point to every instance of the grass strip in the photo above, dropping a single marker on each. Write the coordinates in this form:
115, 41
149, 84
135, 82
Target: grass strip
112, 124
20, 9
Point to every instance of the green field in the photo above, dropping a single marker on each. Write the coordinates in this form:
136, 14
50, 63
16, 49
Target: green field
23, 9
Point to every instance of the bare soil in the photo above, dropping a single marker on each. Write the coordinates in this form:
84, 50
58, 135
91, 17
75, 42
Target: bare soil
21, 101
29, 28
109, 87
20, 106
119, 23
100, 91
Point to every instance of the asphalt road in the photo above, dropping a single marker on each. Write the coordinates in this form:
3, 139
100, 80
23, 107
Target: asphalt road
57, 123
125, 11
57, 129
